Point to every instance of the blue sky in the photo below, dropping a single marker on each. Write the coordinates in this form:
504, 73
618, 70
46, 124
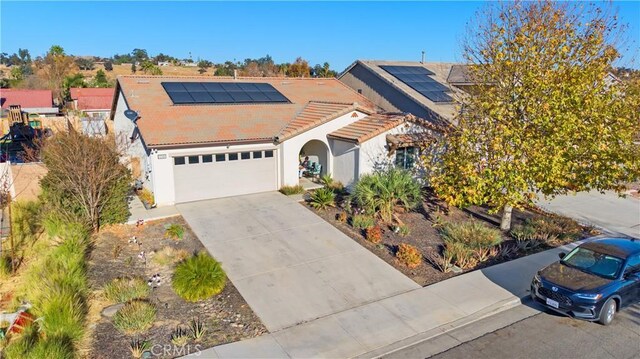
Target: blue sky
336, 32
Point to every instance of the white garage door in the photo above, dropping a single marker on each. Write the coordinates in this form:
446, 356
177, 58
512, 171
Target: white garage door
208, 176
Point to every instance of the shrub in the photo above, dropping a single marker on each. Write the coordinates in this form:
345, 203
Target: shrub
179, 337
174, 231
472, 234
5, 266
146, 196
460, 255
135, 317
19, 347
169, 255
197, 329
330, 183
374, 234
404, 230
198, 278
122, 290
291, 190
408, 255
326, 180
380, 192
534, 232
62, 313
322, 198
24, 222
360, 221
138, 347
53, 347
341, 217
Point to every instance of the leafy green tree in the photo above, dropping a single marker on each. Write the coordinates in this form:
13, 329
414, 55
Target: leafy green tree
203, 65
85, 63
323, 70
133, 68
101, 80
543, 118
75, 80
139, 55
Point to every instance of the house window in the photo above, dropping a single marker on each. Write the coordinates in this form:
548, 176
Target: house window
233, 156
268, 154
194, 159
257, 154
220, 157
178, 161
405, 157
207, 158
245, 155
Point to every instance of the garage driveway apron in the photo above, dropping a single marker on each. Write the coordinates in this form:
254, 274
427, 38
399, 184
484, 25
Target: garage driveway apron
289, 264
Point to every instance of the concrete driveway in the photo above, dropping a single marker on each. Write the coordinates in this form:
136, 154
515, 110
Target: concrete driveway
609, 211
289, 264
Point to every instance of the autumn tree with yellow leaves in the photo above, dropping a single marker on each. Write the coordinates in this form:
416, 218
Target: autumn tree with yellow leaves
544, 117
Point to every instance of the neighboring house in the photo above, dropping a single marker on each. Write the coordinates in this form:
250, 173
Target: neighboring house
422, 89
32, 102
164, 63
194, 138
94, 104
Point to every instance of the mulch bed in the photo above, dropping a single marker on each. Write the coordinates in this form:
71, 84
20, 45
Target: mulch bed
423, 224
227, 316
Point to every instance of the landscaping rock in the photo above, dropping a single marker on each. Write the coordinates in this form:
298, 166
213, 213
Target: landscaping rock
111, 310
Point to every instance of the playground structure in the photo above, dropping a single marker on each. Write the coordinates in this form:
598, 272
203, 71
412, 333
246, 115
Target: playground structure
24, 129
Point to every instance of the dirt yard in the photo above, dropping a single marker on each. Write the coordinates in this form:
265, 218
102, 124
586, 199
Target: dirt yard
424, 224
227, 316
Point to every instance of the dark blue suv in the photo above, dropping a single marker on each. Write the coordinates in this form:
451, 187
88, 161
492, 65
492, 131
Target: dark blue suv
593, 281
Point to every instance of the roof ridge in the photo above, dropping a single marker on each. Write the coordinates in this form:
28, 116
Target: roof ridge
231, 77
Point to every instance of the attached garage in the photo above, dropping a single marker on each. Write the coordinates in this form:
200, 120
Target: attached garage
206, 176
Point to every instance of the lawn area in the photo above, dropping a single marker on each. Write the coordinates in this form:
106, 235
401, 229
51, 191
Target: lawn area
419, 234
226, 316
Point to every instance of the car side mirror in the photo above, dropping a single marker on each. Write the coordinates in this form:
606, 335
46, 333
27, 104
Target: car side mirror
561, 255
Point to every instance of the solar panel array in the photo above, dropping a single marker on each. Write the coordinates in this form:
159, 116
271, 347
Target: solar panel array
182, 93
418, 78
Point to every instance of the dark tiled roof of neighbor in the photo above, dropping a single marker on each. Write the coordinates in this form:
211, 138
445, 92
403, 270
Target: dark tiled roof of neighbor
311, 102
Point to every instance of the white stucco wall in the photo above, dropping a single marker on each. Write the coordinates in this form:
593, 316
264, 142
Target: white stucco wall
162, 168
345, 161
291, 147
373, 153
124, 129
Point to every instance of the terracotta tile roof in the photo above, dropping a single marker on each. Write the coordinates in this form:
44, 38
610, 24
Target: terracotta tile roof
93, 98
368, 127
162, 123
26, 98
315, 114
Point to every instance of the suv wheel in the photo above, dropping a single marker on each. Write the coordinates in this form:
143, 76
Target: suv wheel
608, 312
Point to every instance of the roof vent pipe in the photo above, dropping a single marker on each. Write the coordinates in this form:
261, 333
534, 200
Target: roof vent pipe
422, 61
235, 74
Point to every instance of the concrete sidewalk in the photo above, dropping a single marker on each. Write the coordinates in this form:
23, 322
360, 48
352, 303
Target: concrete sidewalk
382, 327
139, 212
608, 211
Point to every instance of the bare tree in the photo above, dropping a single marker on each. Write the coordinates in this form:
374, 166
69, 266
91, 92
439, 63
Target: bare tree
85, 178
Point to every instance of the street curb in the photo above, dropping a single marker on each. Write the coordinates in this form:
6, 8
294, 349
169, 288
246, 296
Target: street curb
443, 329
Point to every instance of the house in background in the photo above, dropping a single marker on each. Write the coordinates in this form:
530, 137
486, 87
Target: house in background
195, 138
94, 107
33, 102
422, 89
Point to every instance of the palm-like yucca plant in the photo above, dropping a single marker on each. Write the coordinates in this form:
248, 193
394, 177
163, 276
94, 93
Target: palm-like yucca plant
380, 192
322, 198
326, 180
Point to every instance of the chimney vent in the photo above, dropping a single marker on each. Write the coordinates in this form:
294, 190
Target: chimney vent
422, 61
235, 74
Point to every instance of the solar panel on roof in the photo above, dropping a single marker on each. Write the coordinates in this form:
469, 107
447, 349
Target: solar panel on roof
418, 78
222, 93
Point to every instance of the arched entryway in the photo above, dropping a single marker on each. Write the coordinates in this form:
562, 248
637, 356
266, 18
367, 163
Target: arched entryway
317, 163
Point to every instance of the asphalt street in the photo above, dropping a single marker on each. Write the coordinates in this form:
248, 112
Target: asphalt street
542, 335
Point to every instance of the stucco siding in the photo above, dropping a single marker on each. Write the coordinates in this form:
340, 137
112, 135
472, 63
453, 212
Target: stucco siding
381, 93
345, 162
291, 147
374, 152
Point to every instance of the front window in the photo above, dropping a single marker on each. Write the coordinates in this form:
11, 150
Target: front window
588, 261
405, 157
